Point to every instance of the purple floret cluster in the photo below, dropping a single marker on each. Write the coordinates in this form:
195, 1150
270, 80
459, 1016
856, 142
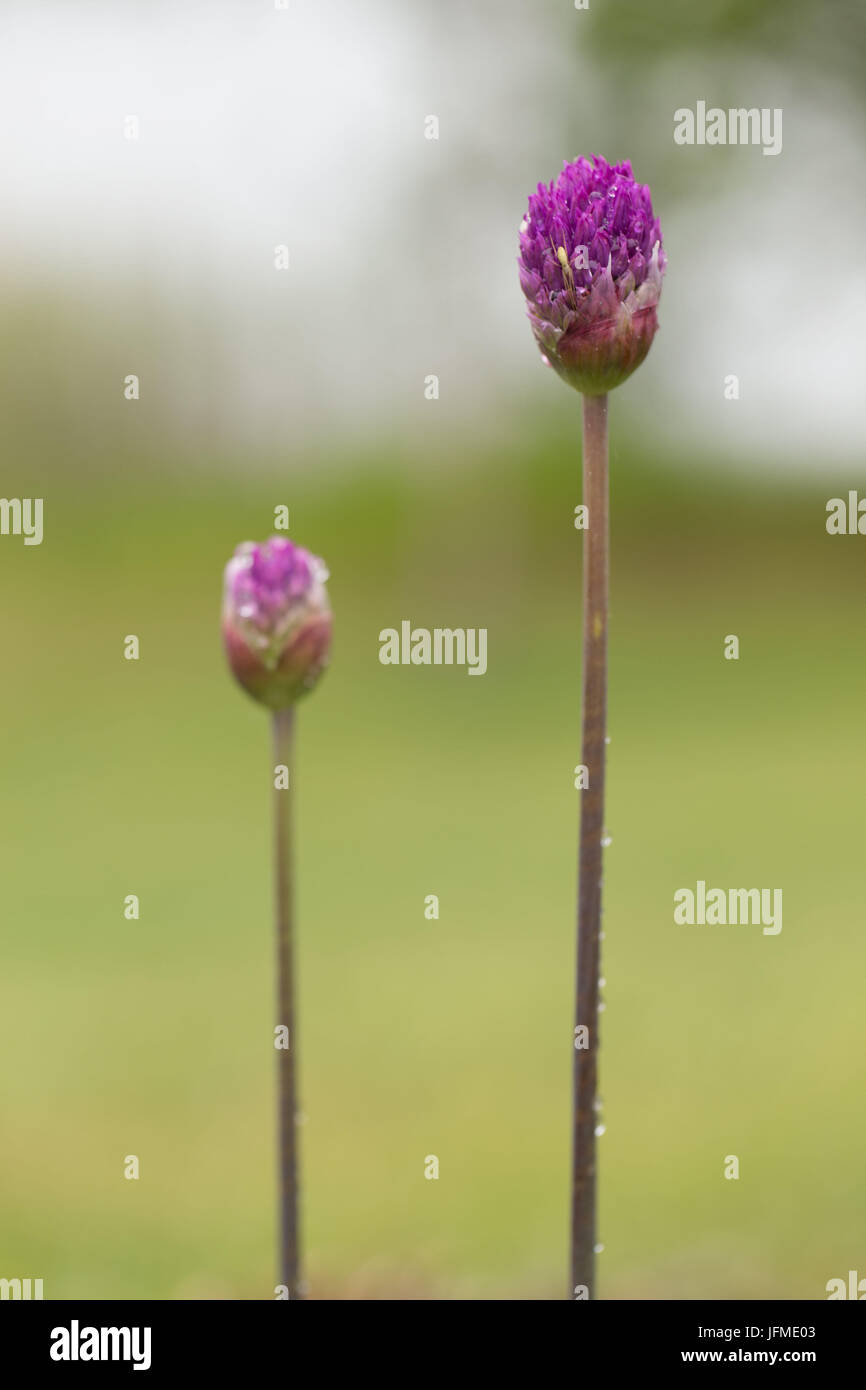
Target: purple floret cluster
267, 582
598, 206
276, 620
591, 255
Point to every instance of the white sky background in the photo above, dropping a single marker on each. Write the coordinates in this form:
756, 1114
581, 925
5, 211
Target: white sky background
306, 126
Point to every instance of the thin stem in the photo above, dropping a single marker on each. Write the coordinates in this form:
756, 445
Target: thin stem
594, 715
290, 1274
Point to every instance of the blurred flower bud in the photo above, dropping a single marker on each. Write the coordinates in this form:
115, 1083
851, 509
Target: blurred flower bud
276, 620
591, 266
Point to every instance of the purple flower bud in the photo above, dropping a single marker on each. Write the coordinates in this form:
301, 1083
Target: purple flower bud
591, 266
276, 620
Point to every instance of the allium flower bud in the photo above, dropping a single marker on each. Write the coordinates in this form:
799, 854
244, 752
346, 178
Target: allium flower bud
591, 266
276, 620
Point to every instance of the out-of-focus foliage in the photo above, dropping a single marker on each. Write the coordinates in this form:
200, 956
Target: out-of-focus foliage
814, 37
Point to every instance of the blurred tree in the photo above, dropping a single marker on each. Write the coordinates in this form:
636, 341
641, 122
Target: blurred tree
826, 39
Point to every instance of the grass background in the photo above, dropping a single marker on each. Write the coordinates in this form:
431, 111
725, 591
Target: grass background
451, 1037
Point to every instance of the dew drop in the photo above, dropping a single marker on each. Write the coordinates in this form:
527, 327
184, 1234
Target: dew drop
600, 1130
597, 1249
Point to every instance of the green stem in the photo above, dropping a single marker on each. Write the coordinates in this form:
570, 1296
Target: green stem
286, 1057
594, 715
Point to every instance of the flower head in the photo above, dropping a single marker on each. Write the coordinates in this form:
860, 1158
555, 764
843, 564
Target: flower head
591, 266
276, 620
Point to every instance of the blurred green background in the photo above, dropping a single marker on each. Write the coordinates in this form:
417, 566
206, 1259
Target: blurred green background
451, 1037
418, 1037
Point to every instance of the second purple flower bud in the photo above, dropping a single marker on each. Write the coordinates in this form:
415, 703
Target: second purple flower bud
276, 620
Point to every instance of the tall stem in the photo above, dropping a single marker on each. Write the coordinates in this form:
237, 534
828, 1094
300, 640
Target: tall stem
286, 1057
594, 716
